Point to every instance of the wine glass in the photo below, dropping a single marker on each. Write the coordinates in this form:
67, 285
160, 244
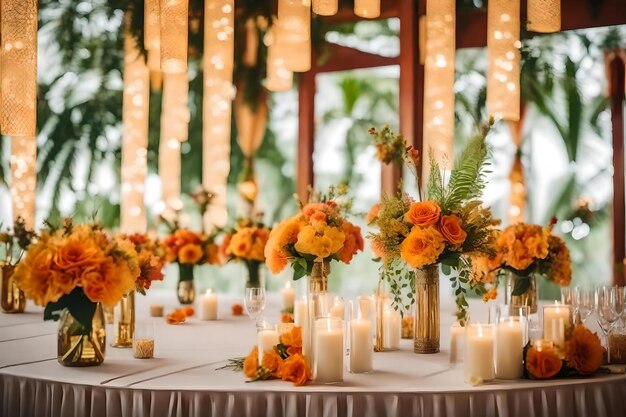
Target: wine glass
254, 301
607, 310
583, 303
567, 295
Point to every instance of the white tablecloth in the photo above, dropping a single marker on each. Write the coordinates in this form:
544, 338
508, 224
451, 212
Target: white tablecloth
182, 379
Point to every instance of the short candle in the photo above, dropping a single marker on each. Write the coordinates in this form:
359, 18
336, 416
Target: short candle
208, 309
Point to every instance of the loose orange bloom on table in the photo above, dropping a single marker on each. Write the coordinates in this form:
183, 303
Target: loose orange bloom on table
451, 230
251, 363
583, 351
237, 309
295, 369
423, 213
543, 364
292, 337
272, 362
422, 247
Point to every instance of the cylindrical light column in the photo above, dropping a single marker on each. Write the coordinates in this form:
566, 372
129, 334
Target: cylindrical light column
19, 67
152, 33
174, 23
544, 16
503, 47
325, 7
134, 138
217, 105
294, 17
368, 9
279, 78
439, 80
24, 178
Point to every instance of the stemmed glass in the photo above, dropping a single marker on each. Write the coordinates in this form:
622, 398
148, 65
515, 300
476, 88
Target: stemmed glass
583, 303
254, 301
607, 307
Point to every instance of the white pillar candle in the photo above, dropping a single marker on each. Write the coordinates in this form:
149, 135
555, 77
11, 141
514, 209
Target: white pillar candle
337, 310
509, 349
479, 363
392, 329
457, 340
288, 295
555, 319
301, 319
361, 345
328, 350
208, 310
266, 340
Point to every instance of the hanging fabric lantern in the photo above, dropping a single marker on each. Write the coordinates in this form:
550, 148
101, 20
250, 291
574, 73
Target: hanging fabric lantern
503, 46
174, 23
544, 16
294, 18
368, 9
325, 7
175, 107
279, 78
169, 171
297, 56
19, 67
152, 33
24, 178
251, 122
439, 81
134, 137
217, 103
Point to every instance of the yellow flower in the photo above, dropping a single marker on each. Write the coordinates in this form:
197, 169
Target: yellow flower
422, 246
322, 246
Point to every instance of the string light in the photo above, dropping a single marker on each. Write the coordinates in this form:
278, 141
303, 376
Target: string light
217, 105
279, 78
24, 178
174, 23
152, 33
325, 7
544, 15
134, 137
439, 80
370, 9
503, 73
19, 67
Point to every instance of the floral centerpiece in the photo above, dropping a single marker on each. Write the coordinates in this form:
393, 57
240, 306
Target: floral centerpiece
522, 252
70, 271
13, 246
246, 244
443, 228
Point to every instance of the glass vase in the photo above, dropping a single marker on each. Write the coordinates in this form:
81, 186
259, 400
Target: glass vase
521, 290
78, 346
318, 303
124, 322
426, 333
12, 299
185, 291
254, 277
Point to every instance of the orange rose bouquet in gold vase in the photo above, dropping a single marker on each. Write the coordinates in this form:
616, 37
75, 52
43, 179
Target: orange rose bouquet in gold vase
444, 227
71, 271
246, 244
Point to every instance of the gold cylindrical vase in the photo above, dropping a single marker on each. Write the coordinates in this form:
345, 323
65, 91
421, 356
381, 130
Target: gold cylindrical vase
521, 290
78, 346
12, 299
125, 321
426, 334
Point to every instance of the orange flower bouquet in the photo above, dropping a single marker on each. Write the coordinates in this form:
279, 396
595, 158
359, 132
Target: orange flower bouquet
151, 259
319, 233
246, 244
443, 228
13, 245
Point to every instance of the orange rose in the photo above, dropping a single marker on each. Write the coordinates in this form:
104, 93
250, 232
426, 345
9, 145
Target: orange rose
292, 338
450, 228
213, 254
286, 317
295, 369
271, 362
241, 243
190, 254
251, 363
583, 351
422, 247
423, 213
543, 364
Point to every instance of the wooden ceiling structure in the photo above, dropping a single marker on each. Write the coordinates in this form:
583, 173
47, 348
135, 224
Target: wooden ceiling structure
471, 33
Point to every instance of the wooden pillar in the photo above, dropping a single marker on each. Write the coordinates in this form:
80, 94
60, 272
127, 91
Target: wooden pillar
617, 91
306, 134
411, 89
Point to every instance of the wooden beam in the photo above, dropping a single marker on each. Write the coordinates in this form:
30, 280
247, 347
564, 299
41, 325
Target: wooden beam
306, 134
617, 89
343, 58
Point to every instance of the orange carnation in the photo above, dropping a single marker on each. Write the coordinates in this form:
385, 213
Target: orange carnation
251, 363
583, 351
543, 364
272, 362
423, 213
422, 247
353, 242
191, 253
295, 369
450, 228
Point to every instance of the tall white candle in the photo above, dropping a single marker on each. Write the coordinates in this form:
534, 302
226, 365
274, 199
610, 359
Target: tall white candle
361, 345
509, 349
479, 363
301, 319
392, 329
266, 340
208, 310
555, 319
457, 337
288, 296
338, 310
328, 351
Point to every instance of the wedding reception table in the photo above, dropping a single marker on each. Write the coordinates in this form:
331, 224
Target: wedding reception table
183, 379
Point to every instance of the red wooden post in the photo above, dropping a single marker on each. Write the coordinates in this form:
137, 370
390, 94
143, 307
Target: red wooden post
617, 91
306, 134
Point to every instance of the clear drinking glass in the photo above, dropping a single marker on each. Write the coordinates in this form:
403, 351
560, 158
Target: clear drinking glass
606, 308
583, 303
143, 340
254, 301
567, 295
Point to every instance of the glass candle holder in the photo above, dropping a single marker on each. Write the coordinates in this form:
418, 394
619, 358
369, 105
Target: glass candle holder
510, 337
361, 339
479, 352
457, 343
505, 311
143, 340
392, 328
267, 337
557, 321
338, 308
329, 352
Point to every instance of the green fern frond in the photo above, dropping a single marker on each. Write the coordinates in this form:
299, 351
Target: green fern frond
435, 182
